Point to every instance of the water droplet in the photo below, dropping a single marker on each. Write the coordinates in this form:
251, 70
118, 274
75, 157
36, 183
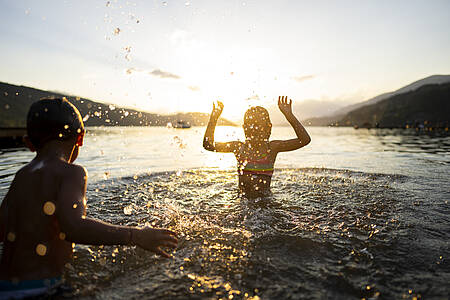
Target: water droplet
128, 210
86, 117
49, 208
41, 249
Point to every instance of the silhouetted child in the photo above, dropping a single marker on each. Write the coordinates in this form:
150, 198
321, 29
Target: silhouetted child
44, 211
256, 156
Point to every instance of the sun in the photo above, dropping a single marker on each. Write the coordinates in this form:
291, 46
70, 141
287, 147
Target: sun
224, 161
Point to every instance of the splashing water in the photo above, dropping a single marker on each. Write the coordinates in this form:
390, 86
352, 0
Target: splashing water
322, 232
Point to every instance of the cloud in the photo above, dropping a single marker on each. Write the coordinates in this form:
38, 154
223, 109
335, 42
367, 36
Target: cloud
194, 88
163, 74
303, 78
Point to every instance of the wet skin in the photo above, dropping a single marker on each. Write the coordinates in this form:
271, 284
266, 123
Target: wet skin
257, 132
254, 185
44, 212
35, 246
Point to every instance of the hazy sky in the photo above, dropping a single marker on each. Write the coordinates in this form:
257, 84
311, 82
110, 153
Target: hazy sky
171, 56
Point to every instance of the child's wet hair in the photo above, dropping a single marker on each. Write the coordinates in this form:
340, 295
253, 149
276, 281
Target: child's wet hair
53, 119
257, 123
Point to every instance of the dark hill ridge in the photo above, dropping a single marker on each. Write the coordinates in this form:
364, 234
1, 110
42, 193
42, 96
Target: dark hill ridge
428, 106
16, 100
338, 115
434, 79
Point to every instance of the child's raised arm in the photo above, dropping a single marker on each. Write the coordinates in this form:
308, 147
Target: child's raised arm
70, 211
208, 140
303, 137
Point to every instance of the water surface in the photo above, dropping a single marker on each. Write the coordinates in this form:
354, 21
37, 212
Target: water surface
355, 214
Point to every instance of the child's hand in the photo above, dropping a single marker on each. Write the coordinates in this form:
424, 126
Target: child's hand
284, 105
217, 110
152, 239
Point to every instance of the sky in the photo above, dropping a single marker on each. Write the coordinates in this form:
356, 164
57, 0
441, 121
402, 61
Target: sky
170, 56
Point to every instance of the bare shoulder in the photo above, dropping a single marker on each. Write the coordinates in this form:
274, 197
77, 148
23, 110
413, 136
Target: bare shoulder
74, 171
236, 144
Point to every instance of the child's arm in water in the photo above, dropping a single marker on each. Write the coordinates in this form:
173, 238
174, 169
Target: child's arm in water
71, 214
303, 137
208, 140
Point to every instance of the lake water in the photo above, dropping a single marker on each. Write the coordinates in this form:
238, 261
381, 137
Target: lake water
355, 214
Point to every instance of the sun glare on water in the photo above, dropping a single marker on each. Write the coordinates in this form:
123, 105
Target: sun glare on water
224, 161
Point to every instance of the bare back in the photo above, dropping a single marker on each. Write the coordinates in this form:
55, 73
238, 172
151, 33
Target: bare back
34, 246
255, 168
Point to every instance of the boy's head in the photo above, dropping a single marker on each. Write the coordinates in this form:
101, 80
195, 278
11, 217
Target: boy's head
257, 125
54, 119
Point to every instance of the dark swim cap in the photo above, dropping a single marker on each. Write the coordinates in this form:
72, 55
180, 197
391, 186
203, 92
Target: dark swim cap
53, 119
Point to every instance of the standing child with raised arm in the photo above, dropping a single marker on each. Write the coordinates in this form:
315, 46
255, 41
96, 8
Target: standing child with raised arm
256, 156
44, 211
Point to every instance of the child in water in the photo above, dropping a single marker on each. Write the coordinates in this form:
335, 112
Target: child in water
44, 211
256, 156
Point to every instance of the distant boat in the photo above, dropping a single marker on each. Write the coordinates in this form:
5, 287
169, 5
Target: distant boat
181, 124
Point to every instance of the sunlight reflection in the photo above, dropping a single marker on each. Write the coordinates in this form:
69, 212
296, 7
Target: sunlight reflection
224, 160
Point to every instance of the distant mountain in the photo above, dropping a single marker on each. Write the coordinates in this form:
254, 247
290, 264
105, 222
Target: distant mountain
16, 100
427, 106
434, 79
305, 109
340, 113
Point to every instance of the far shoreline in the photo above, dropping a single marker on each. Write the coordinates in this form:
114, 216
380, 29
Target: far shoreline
12, 137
